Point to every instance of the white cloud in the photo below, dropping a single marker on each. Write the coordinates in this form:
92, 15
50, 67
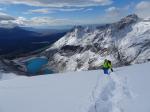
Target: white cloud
4, 16
39, 21
40, 11
6, 20
143, 8
69, 9
113, 11
53, 10
10, 21
36, 22
143, 5
89, 9
113, 14
59, 3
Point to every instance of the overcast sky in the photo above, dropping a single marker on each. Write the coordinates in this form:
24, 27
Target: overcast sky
68, 12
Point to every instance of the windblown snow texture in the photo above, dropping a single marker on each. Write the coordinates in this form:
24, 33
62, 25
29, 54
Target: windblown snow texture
109, 93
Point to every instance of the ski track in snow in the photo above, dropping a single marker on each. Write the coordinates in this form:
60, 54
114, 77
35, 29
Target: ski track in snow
108, 94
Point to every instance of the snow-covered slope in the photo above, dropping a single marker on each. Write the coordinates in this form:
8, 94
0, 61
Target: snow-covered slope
137, 42
124, 42
125, 90
6, 76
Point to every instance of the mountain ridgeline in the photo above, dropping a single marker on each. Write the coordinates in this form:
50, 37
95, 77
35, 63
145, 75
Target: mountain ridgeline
83, 48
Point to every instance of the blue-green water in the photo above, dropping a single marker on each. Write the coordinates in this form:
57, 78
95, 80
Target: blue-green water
35, 65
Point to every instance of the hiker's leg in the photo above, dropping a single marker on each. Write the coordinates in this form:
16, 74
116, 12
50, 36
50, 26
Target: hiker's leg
105, 71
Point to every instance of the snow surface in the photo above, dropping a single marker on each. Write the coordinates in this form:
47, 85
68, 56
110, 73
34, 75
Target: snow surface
125, 90
6, 76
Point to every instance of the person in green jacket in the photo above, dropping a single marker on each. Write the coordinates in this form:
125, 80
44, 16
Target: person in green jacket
106, 66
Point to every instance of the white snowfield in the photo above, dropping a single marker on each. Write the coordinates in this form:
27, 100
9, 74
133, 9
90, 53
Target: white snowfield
6, 76
125, 90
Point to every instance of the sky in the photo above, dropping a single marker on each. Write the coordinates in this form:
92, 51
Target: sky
44, 13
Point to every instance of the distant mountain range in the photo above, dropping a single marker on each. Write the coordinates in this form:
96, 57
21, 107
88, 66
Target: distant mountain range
45, 31
16, 41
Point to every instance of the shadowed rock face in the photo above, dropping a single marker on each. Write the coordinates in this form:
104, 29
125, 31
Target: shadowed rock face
71, 48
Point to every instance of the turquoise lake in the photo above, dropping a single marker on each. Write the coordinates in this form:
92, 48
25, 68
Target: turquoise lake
35, 65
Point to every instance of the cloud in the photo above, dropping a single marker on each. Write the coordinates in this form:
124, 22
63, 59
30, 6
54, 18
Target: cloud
45, 21
59, 3
142, 9
53, 10
143, 5
9, 21
89, 9
112, 11
6, 20
70, 9
40, 11
4, 16
113, 14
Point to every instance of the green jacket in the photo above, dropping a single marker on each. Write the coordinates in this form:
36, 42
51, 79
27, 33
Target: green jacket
106, 64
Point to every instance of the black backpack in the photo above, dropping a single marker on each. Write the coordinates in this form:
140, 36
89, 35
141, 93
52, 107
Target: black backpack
109, 62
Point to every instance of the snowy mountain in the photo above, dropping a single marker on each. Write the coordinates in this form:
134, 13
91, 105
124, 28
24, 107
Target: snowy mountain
89, 91
125, 42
